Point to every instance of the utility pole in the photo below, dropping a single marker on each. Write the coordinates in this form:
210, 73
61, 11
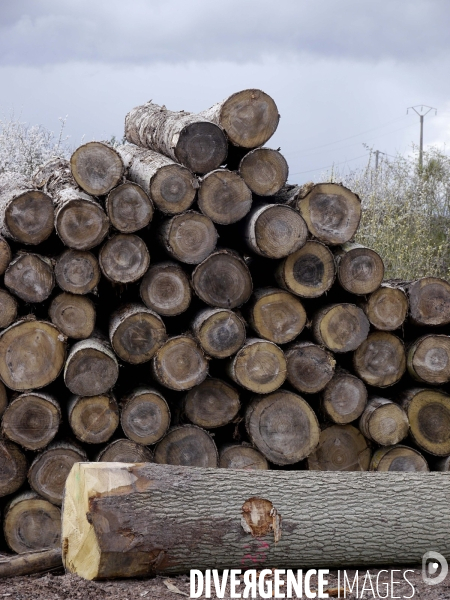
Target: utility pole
422, 113
377, 154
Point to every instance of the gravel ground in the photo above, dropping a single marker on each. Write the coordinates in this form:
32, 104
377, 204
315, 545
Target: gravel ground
56, 586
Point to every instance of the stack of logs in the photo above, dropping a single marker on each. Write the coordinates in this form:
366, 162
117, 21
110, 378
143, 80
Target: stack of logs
173, 300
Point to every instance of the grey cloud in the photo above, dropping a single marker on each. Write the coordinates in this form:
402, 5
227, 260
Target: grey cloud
177, 31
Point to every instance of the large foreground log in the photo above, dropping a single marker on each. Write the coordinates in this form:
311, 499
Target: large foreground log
258, 519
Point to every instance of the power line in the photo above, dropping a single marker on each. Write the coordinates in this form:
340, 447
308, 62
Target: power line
329, 166
422, 114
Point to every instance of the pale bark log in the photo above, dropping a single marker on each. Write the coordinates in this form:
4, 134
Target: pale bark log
308, 272
26, 214
224, 197
145, 416
259, 366
94, 419
428, 359
32, 523
129, 208
283, 427
384, 422
179, 364
80, 221
344, 398
360, 270
77, 272
49, 470
30, 277
249, 117
8, 309
187, 446
13, 468
171, 186
91, 368
97, 168
309, 367
32, 420
340, 327
125, 451
341, 448
276, 315
136, 333
275, 231
189, 237
223, 280
30, 563
165, 288
32, 354
252, 509
428, 412
386, 308
213, 403
264, 170
429, 301
398, 458
124, 258
242, 456
5, 255
189, 139
74, 315
380, 360
220, 332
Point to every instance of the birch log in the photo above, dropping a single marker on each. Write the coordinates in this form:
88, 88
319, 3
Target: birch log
125, 451
189, 237
179, 364
259, 366
398, 458
213, 403
73, 315
97, 168
429, 301
386, 308
360, 270
94, 419
170, 186
189, 139
224, 197
309, 367
26, 214
384, 422
8, 309
129, 208
340, 327
165, 288
380, 360
77, 272
124, 258
242, 456
189, 446
30, 277
220, 332
5, 255
264, 170
341, 448
145, 415
428, 359
13, 468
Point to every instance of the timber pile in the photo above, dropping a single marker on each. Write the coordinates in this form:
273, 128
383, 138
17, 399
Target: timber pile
173, 300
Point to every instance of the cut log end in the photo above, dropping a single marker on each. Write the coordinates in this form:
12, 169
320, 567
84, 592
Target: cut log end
428, 359
341, 448
129, 208
201, 147
145, 416
242, 457
224, 197
93, 420
165, 288
380, 360
340, 327
5, 255
264, 170
91, 368
77, 272
29, 218
259, 366
387, 308
309, 367
211, 404
97, 168
220, 332
13, 468
384, 422
188, 446
173, 189
30, 277
398, 458
81, 224
429, 301
344, 398
73, 315
189, 237
125, 451
277, 316
180, 364
360, 270
124, 258
8, 309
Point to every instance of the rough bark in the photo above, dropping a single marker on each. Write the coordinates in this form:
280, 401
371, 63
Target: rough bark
384, 422
360, 270
276, 315
189, 237
5, 255
94, 419
259, 366
129, 208
429, 301
428, 359
428, 413
145, 416
80, 221
136, 333
77, 272
171, 186
3, 399
190, 139
309, 367
74, 315
97, 168
398, 458
341, 448
249, 117
340, 327
242, 456
32, 354
125, 451
223, 280
32, 523
344, 398
165, 288
187, 446
13, 468
8, 309
179, 364
30, 563
331, 211
124, 258
49, 470
275, 231
32, 420
30, 277
91, 368
213, 403
26, 214
380, 360
283, 427
252, 511
309, 272
264, 170
220, 332
386, 308
224, 197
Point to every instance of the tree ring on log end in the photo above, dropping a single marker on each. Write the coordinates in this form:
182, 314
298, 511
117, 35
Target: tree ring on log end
30, 217
124, 258
97, 168
201, 147
81, 224
188, 446
173, 189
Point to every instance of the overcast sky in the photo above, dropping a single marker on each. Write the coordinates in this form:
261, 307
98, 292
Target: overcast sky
341, 72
